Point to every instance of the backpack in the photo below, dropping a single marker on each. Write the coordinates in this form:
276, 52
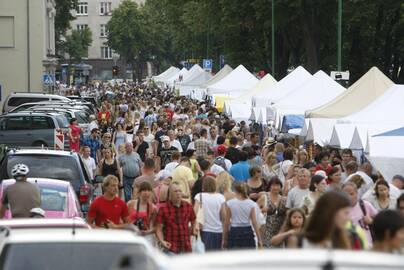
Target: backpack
221, 161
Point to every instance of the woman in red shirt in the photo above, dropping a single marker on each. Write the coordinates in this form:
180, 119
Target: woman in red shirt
74, 135
142, 212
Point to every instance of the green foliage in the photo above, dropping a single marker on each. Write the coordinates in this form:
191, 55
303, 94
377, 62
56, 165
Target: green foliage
77, 43
62, 19
169, 31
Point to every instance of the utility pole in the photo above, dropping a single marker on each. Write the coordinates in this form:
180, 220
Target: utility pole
273, 38
339, 53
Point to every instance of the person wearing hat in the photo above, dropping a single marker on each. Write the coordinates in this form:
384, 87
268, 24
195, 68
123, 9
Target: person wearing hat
166, 151
220, 160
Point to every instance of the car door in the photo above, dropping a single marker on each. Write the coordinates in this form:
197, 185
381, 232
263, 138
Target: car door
43, 130
16, 130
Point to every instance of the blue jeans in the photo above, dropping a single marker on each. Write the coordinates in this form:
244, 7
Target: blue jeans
127, 187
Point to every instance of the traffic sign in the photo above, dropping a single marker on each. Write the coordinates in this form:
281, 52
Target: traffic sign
47, 79
207, 64
59, 140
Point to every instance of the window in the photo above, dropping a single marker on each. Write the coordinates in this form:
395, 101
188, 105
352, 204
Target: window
105, 8
18, 123
42, 122
3, 122
106, 53
82, 8
81, 27
17, 101
103, 30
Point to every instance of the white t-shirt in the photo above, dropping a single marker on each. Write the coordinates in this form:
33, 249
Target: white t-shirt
149, 139
216, 169
177, 145
211, 205
296, 197
90, 166
240, 212
171, 166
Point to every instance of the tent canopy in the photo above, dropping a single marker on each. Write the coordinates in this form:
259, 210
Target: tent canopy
282, 89
226, 70
394, 132
364, 91
235, 83
315, 92
263, 85
388, 109
171, 80
171, 71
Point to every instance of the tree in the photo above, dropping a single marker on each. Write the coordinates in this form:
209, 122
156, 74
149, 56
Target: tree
62, 19
127, 35
76, 44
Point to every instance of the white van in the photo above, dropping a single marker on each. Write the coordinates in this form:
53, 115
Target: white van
17, 98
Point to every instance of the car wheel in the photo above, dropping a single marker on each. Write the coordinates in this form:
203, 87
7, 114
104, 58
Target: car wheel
39, 144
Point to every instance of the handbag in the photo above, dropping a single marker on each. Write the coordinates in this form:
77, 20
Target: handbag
198, 246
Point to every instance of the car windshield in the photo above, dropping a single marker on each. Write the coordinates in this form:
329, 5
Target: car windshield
53, 198
62, 121
62, 256
48, 166
82, 118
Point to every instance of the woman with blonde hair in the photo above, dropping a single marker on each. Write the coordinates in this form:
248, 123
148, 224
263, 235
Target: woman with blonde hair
268, 170
224, 182
279, 149
302, 157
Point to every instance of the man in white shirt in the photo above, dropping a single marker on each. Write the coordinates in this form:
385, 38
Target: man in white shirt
93, 124
173, 141
174, 163
297, 194
89, 162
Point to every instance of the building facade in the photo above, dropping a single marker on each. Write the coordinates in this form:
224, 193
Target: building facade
95, 14
27, 46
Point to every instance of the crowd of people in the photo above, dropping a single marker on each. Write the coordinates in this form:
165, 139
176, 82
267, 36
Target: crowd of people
180, 171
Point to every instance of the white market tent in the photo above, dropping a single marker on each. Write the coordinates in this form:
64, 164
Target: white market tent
342, 135
226, 70
388, 109
316, 91
176, 77
319, 131
368, 88
194, 80
385, 153
234, 84
281, 89
171, 71
244, 102
385, 113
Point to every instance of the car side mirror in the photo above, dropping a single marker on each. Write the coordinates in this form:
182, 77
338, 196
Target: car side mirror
98, 179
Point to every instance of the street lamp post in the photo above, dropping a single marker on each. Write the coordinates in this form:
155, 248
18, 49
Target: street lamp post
339, 45
273, 38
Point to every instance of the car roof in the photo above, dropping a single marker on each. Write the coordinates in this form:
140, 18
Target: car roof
77, 235
281, 258
27, 223
39, 181
26, 151
25, 113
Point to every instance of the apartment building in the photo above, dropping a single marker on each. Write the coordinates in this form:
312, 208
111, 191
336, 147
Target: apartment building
27, 46
95, 14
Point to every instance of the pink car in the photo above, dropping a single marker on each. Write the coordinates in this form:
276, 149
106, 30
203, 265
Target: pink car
58, 198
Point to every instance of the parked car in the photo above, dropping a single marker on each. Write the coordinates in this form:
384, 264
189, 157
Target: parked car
87, 107
289, 259
47, 223
58, 198
60, 165
82, 118
66, 249
17, 98
31, 128
84, 98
